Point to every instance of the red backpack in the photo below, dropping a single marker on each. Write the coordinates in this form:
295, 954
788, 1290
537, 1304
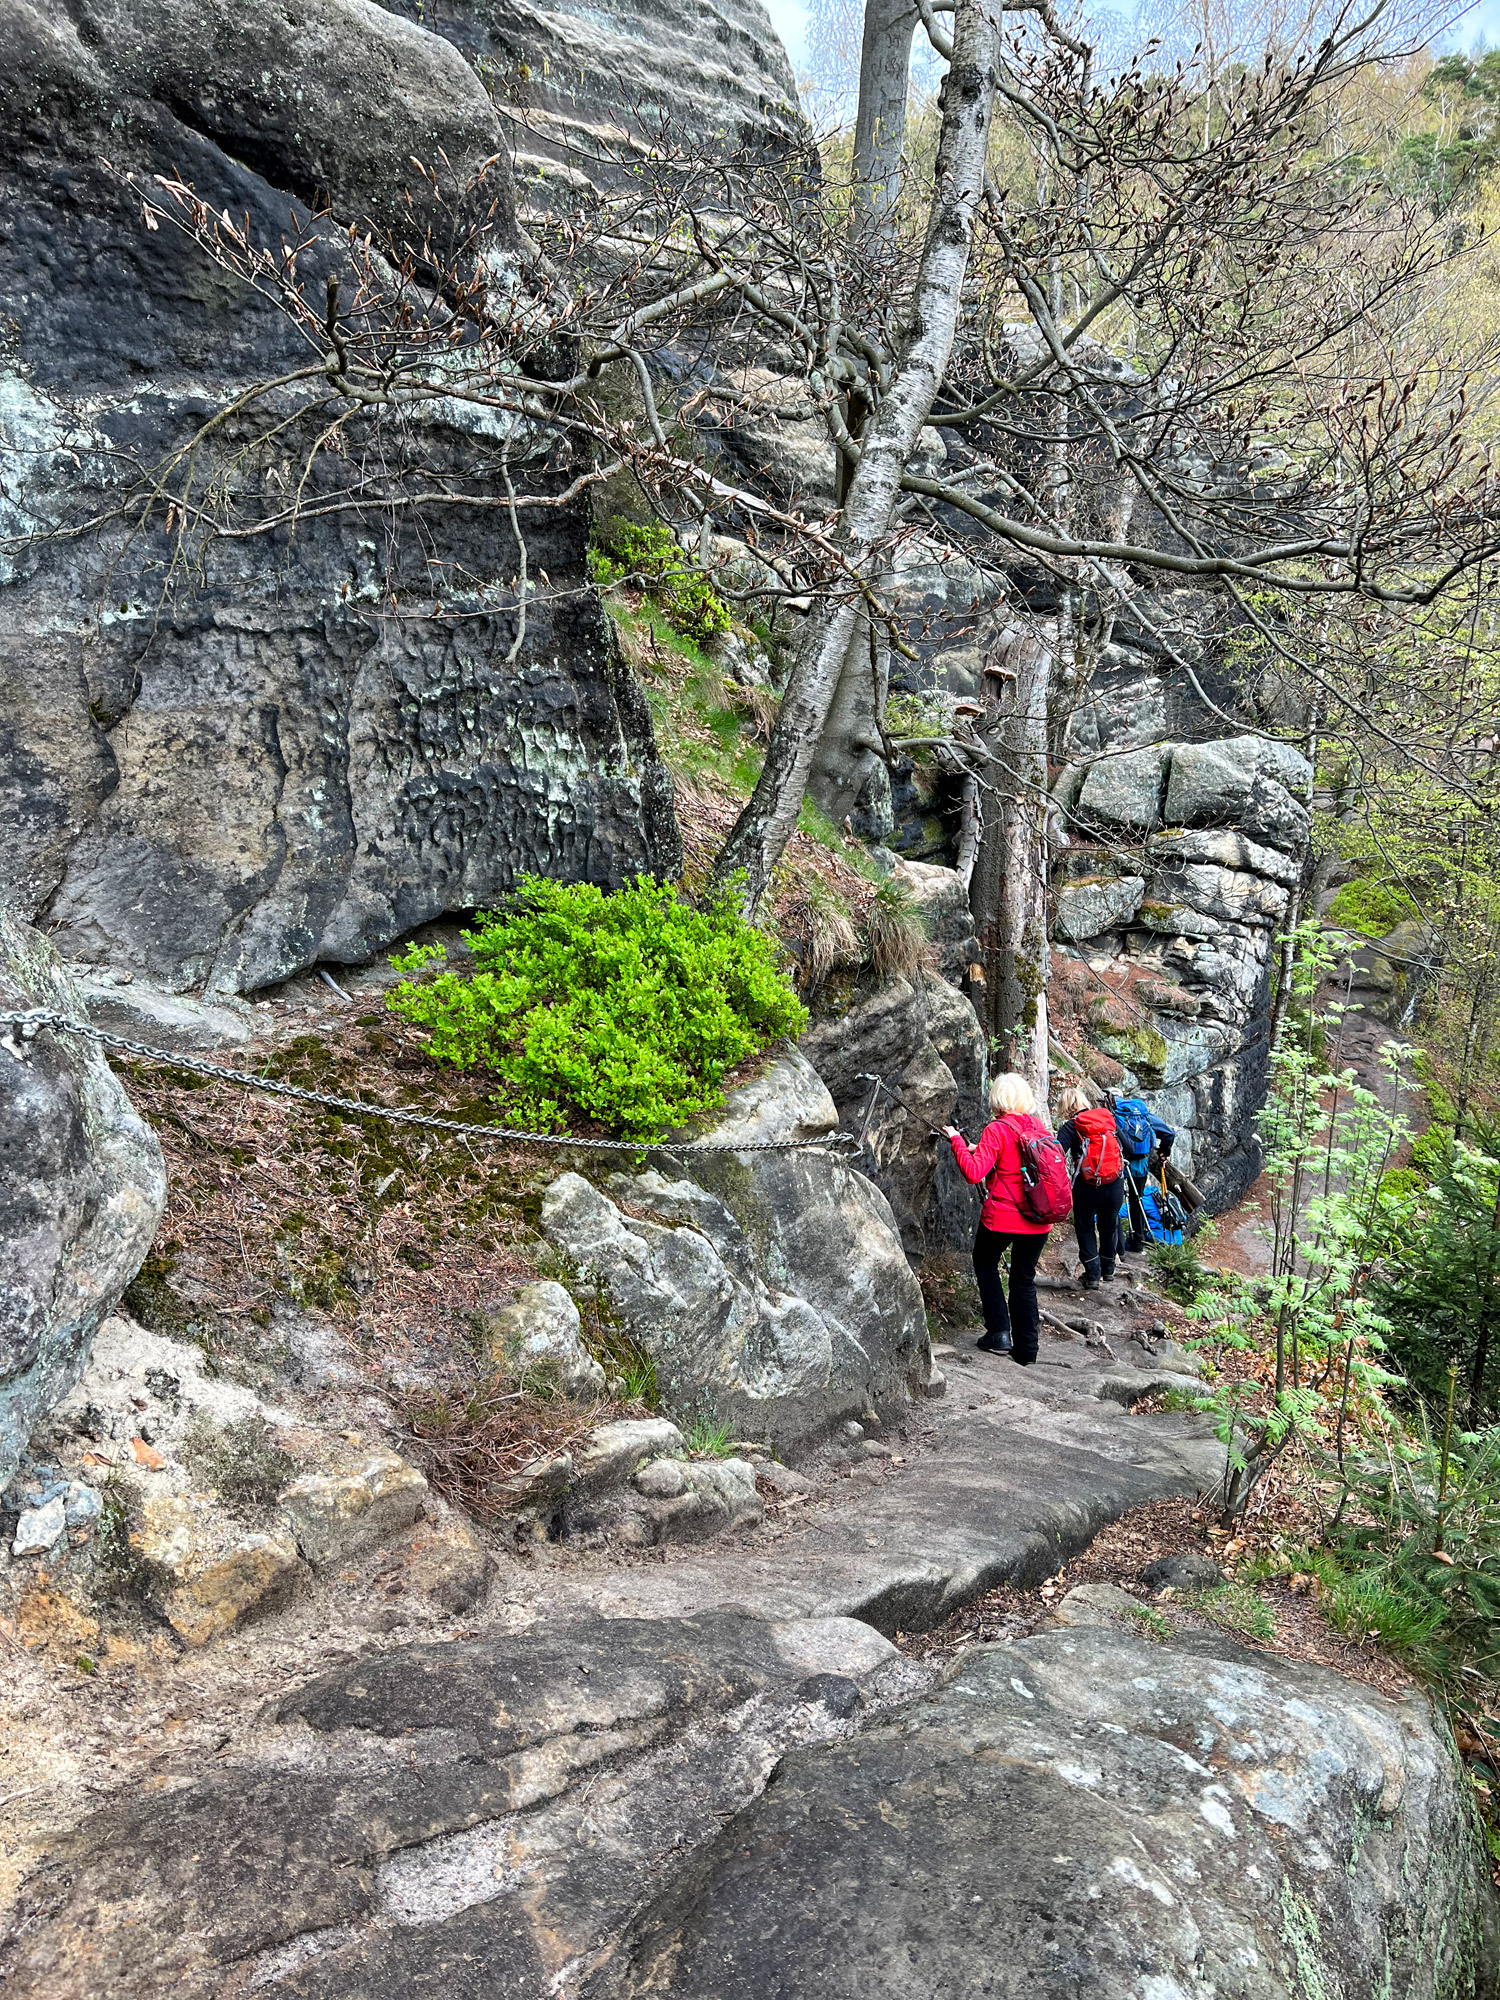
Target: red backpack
1046, 1189
1101, 1161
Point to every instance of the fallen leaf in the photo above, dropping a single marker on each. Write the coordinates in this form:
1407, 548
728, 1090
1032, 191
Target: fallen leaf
1442, 1556
147, 1455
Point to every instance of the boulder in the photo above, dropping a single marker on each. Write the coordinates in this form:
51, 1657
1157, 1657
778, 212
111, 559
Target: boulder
82, 1188
1124, 789
1089, 908
770, 1290
1089, 1811
922, 1039
203, 1570
538, 1337
1182, 1572
1212, 784
335, 1515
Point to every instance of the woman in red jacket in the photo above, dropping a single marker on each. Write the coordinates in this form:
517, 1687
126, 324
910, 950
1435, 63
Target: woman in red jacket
996, 1160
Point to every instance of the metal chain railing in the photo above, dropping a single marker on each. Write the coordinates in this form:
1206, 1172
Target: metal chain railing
25, 1024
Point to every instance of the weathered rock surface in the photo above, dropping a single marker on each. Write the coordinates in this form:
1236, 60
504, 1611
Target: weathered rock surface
538, 1335
335, 1515
1084, 1811
82, 1187
223, 1504
1172, 971
370, 1837
770, 1290
586, 84
298, 755
921, 1038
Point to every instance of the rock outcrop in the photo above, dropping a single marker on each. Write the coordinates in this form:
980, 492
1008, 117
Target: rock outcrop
769, 1290
921, 1042
231, 758
1086, 1811
1182, 865
589, 88
718, 1805
82, 1187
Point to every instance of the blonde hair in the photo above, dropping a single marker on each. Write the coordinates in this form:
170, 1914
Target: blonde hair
1073, 1100
1012, 1093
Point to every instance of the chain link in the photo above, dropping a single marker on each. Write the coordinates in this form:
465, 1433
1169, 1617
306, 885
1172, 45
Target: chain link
32, 1019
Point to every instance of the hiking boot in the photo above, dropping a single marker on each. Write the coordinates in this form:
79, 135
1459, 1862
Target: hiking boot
1108, 1277
1089, 1282
994, 1343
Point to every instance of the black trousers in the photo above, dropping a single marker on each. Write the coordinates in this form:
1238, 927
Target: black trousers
1021, 1322
1096, 1222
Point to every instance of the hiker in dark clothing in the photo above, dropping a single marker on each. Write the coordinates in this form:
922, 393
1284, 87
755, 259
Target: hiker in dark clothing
1141, 1134
1088, 1135
996, 1160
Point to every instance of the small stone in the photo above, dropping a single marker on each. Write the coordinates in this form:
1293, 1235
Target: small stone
1182, 1572
442, 1559
936, 1383
876, 1448
781, 1479
851, 1429
40, 1528
204, 1570
82, 1504
662, 1479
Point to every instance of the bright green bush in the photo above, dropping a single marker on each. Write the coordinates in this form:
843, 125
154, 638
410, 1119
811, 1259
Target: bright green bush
1371, 906
626, 1008
648, 554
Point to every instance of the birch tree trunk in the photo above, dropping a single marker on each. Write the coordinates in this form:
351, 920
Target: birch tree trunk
880, 121
760, 834
1008, 892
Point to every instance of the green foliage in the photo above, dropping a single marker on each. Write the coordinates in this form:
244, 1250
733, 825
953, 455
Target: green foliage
1328, 1143
648, 555
895, 932
626, 1008
1179, 1271
710, 1439
1371, 906
1438, 1278
1237, 1608
1153, 1624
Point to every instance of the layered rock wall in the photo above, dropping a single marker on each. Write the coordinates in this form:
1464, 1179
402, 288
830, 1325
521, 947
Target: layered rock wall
226, 758
1181, 865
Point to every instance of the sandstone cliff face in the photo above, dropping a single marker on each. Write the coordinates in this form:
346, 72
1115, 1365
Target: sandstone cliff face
590, 80
219, 766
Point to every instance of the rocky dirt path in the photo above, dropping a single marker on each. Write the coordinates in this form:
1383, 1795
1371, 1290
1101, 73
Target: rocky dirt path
709, 1772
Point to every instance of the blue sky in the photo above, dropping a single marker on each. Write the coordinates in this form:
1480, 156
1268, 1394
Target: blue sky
1468, 26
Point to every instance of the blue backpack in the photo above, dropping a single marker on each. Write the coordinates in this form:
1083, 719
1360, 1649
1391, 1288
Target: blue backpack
1166, 1220
1133, 1128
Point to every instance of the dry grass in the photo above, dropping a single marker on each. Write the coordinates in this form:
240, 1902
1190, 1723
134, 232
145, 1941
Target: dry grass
471, 1442
397, 1236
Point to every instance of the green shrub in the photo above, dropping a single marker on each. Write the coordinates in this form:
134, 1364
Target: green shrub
1371, 906
1179, 1271
626, 1008
648, 554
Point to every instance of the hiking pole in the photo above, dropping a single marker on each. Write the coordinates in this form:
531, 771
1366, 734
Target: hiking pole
910, 1110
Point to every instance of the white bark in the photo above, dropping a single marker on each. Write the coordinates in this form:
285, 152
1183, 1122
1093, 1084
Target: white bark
766, 824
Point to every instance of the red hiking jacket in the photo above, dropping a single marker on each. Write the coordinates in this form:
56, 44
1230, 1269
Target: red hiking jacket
997, 1149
